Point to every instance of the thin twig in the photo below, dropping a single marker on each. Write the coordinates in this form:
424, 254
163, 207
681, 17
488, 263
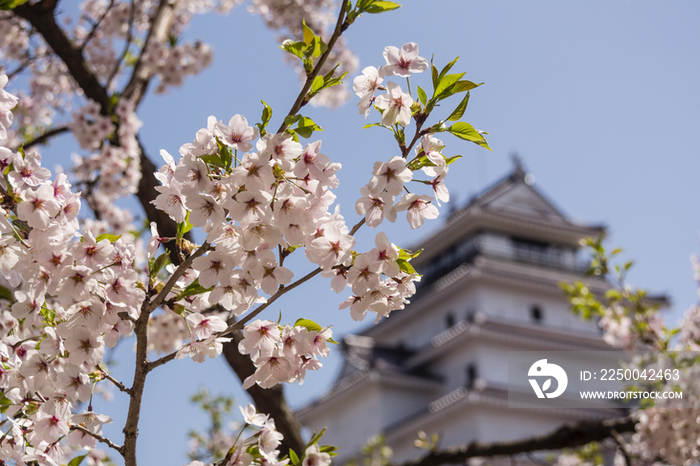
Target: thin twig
158, 300
127, 45
239, 325
158, 32
116, 383
95, 27
46, 136
340, 26
99, 438
622, 446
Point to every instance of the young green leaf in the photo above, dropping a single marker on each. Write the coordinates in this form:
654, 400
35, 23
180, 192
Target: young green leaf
448, 67
158, 264
317, 85
380, 6
266, 116
308, 33
459, 111
6, 294
11, 4
445, 83
112, 238
422, 95
76, 461
435, 75
293, 457
184, 227
193, 289
467, 132
370, 125
213, 159
295, 48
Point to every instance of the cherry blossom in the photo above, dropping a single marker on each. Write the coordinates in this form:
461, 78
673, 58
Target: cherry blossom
396, 105
405, 61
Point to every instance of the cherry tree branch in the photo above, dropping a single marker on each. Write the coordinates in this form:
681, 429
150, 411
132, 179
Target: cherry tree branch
179, 272
340, 26
41, 17
96, 26
239, 325
270, 401
99, 438
141, 76
566, 436
48, 134
116, 383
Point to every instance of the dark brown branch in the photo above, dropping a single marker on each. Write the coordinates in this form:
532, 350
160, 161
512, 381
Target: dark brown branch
269, 401
41, 16
99, 438
566, 436
131, 428
160, 26
41, 139
239, 325
146, 193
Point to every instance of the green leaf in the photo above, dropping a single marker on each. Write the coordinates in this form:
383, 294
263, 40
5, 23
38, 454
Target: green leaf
308, 324
311, 326
225, 154
289, 120
308, 33
266, 116
155, 265
461, 86
6, 294
445, 82
293, 457
295, 48
405, 266
11, 4
306, 127
76, 461
317, 85
380, 6
467, 132
184, 227
316, 437
422, 96
448, 67
449, 160
459, 111
213, 159
193, 289
376, 124
435, 74
408, 255
112, 238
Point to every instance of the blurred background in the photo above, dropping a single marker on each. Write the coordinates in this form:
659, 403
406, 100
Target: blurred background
599, 99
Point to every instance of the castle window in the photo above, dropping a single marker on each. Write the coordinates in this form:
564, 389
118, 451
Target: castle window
470, 316
450, 320
471, 375
536, 314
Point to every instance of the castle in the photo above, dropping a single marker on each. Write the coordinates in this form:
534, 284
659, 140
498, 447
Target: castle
490, 285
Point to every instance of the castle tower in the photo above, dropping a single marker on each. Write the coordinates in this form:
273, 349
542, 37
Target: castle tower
490, 285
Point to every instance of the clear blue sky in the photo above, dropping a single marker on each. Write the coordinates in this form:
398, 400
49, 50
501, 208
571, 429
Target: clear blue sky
599, 98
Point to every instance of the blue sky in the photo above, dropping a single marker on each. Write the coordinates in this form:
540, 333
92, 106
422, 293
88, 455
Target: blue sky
599, 98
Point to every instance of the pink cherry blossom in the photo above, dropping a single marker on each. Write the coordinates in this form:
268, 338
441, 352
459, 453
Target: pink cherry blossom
405, 61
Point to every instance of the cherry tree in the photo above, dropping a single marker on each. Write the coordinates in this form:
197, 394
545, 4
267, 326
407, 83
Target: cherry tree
223, 217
